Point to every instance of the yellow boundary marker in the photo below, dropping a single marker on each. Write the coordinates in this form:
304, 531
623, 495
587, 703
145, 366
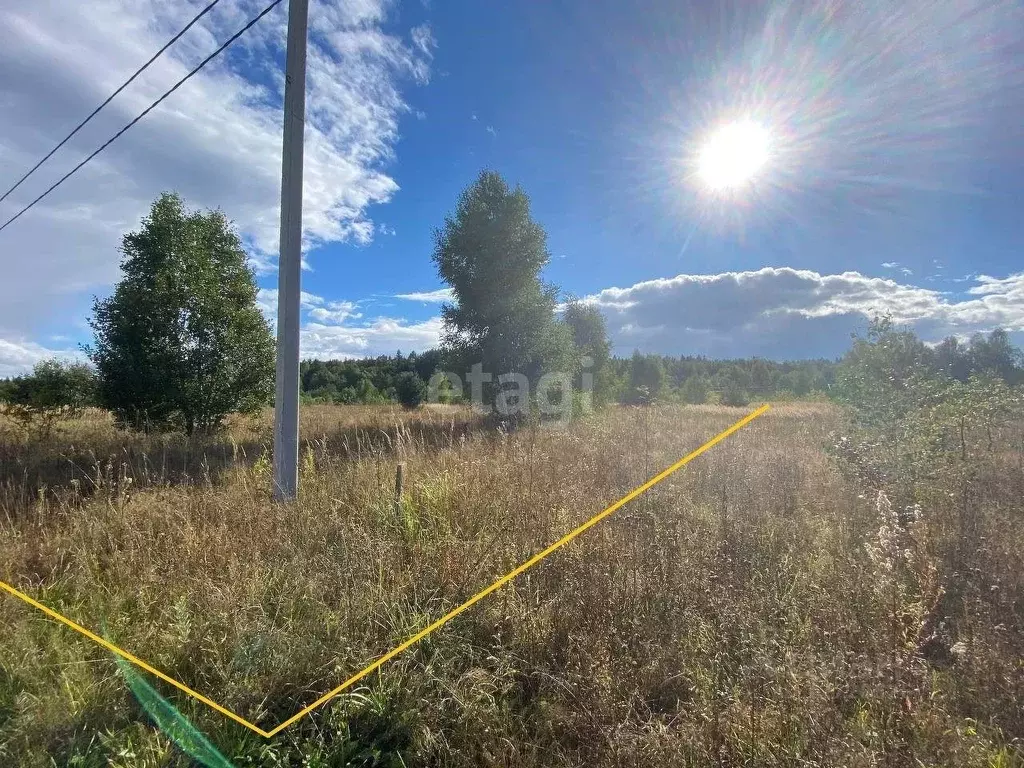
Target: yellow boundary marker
419, 635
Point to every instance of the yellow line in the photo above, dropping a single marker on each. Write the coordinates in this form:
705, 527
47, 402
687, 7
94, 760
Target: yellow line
130, 657
419, 635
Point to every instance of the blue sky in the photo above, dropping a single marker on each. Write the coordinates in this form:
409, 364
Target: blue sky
891, 185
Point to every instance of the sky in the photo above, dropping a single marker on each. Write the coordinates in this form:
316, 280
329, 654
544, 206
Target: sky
894, 168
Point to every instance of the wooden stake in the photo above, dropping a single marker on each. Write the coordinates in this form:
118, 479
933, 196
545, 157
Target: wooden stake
399, 483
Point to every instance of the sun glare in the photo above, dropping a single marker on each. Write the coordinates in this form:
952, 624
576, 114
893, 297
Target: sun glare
733, 155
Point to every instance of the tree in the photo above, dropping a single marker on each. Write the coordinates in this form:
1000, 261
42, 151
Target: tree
590, 338
426, 363
761, 376
733, 395
694, 390
54, 391
181, 343
883, 375
996, 356
410, 389
892, 384
490, 251
953, 359
646, 378
798, 381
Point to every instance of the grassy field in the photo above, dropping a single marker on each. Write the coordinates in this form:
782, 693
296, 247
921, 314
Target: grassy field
758, 608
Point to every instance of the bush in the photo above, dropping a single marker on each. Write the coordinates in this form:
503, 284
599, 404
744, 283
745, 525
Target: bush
646, 379
410, 390
694, 391
734, 396
53, 392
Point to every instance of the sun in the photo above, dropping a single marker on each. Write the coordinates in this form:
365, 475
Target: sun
733, 155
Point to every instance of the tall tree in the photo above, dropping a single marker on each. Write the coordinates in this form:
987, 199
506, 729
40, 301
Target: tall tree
996, 355
491, 251
181, 342
590, 337
646, 378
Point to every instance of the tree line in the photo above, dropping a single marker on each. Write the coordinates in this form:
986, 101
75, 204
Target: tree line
56, 390
382, 379
636, 379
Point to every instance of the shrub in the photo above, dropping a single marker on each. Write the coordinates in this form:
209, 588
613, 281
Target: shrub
646, 379
694, 390
734, 396
410, 389
54, 391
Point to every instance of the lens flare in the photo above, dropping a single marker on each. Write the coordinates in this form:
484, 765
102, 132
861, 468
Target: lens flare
796, 120
733, 155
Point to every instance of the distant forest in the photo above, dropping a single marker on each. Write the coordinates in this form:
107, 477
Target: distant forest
671, 379
683, 379
58, 389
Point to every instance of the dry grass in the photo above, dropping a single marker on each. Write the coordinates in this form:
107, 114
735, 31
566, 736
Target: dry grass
732, 616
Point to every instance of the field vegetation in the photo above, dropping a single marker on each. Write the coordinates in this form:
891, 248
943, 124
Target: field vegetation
767, 605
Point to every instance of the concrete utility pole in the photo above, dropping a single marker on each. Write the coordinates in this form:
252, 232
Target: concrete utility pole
289, 275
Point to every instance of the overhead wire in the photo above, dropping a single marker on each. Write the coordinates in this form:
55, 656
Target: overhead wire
146, 111
111, 97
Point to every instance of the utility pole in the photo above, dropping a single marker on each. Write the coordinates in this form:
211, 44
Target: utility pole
289, 274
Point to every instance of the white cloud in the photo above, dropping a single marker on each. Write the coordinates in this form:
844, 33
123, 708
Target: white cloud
329, 329
890, 264
423, 38
987, 286
784, 312
335, 312
382, 336
316, 307
428, 297
266, 300
217, 140
336, 330
17, 357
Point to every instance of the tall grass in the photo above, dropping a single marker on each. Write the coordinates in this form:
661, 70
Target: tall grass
747, 611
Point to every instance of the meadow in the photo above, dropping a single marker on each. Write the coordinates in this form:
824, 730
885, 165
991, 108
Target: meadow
767, 605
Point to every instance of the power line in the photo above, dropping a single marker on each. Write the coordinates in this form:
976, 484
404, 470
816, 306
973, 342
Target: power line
110, 98
147, 110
